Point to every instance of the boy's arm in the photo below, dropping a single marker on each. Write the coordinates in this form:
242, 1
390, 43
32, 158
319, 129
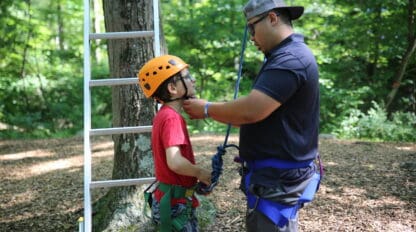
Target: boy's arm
182, 166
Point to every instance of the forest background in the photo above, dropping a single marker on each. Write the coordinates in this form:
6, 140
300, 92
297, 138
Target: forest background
365, 51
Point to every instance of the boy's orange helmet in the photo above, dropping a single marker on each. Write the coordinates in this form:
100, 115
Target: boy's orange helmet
157, 70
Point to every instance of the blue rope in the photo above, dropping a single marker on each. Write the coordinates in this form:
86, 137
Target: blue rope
217, 161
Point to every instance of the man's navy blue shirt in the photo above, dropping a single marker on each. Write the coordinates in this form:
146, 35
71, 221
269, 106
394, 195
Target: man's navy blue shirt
290, 76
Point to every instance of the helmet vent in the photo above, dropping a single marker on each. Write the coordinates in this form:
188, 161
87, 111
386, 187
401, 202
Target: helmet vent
147, 86
147, 74
154, 73
160, 67
172, 62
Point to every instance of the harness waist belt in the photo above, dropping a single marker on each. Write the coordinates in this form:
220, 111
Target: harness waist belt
276, 163
177, 191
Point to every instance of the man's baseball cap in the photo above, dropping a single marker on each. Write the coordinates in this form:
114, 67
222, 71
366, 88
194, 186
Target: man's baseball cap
257, 7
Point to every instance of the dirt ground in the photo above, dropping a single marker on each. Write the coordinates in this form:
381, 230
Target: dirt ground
367, 186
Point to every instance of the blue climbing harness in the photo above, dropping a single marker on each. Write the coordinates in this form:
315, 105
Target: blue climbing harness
278, 213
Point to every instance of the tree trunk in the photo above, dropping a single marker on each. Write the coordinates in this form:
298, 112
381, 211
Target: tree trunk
96, 21
60, 25
411, 48
25, 52
122, 207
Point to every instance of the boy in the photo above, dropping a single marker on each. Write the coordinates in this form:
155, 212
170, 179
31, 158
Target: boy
167, 79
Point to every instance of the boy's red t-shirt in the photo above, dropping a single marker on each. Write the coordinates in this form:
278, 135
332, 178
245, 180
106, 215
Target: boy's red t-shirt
169, 129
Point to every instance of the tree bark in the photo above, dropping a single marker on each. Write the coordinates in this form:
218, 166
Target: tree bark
411, 47
25, 52
60, 25
96, 22
122, 207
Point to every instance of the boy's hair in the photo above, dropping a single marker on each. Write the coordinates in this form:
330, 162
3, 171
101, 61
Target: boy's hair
162, 93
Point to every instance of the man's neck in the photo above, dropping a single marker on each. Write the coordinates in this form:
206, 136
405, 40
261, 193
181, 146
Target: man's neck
284, 32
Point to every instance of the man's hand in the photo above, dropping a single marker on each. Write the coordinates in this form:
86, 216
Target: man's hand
194, 108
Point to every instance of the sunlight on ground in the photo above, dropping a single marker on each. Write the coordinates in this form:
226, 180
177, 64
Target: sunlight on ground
353, 194
103, 150
49, 166
387, 201
76, 161
44, 161
406, 148
43, 186
100, 150
329, 163
26, 154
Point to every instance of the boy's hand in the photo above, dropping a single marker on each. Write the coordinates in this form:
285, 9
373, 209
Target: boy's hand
204, 176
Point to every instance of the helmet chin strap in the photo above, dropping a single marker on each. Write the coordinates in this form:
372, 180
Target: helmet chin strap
184, 97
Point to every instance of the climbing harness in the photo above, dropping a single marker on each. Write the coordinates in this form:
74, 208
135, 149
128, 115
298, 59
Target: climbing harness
279, 213
167, 223
174, 191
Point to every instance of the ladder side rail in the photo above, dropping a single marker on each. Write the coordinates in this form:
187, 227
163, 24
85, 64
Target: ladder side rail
121, 35
114, 81
120, 130
156, 28
87, 120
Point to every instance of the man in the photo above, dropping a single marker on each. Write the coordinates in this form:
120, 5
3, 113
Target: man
278, 119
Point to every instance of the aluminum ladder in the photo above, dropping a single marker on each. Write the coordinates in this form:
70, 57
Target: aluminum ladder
86, 224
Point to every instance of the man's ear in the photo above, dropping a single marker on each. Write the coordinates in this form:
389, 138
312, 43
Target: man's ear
274, 18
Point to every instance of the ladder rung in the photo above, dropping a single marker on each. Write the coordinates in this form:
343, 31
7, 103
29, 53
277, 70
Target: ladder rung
114, 81
121, 35
120, 130
124, 182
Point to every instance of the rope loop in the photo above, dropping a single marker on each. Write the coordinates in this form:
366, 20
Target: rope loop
217, 161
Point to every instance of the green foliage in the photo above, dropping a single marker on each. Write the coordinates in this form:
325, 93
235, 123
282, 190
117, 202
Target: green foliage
356, 61
376, 125
205, 213
41, 69
358, 45
208, 37
100, 98
40, 108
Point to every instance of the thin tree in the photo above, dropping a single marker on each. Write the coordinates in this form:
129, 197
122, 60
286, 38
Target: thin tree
122, 207
410, 50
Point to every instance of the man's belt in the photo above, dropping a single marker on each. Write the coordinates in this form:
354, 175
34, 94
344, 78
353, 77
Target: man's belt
277, 163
